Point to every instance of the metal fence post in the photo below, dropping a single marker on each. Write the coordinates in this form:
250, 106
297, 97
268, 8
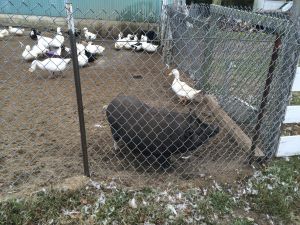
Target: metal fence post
265, 96
71, 28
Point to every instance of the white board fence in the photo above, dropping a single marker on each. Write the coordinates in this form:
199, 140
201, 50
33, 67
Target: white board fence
290, 145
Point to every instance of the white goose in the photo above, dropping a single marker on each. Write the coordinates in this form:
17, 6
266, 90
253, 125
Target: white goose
182, 89
16, 30
148, 47
88, 35
94, 49
58, 40
50, 64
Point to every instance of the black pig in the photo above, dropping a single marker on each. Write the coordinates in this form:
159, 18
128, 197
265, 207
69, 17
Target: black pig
155, 132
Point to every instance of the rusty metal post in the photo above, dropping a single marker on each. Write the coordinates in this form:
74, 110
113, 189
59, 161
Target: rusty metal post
265, 96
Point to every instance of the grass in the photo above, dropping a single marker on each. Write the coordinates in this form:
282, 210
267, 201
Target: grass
241, 221
273, 191
295, 98
221, 201
278, 190
42, 208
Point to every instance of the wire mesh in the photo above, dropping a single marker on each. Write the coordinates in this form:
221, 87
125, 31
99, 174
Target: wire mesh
202, 90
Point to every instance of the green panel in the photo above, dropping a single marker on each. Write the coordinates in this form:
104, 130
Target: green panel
127, 10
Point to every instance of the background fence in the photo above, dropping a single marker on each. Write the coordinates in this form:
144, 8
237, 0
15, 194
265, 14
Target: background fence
103, 10
224, 57
243, 62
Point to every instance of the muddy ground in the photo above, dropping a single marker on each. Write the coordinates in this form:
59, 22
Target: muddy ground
40, 139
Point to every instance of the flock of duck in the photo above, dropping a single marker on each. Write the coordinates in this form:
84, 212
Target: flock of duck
131, 42
58, 55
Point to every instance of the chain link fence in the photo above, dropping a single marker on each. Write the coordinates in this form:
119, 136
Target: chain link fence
199, 91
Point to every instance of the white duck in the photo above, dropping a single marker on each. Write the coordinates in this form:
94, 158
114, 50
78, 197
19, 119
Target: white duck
182, 89
88, 35
27, 54
120, 43
4, 33
80, 48
58, 40
129, 43
38, 50
137, 47
44, 41
148, 47
82, 60
50, 64
16, 30
94, 49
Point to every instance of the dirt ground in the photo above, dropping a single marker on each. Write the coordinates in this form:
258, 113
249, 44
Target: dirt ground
40, 139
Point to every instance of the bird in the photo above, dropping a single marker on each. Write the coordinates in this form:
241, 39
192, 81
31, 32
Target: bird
91, 57
38, 50
4, 33
54, 52
94, 49
44, 41
61, 52
34, 33
137, 47
148, 47
119, 44
51, 64
35, 52
80, 48
130, 42
150, 34
182, 89
88, 35
16, 30
28, 54
58, 40
82, 60
76, 32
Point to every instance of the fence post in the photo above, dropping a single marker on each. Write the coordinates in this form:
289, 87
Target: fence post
265, 97
209, 44
296, 10
71, 28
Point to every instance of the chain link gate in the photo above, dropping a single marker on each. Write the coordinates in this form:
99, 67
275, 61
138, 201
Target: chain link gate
143, 125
